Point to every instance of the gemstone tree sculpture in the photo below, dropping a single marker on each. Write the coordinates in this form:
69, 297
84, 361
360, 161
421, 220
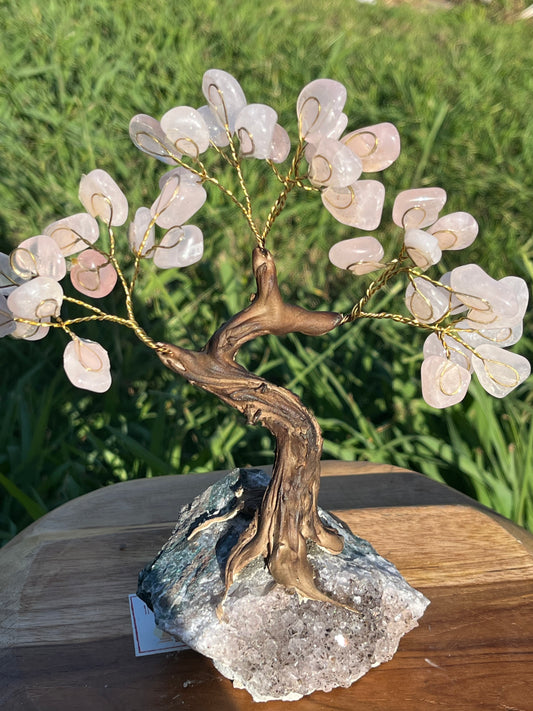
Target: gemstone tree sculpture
470, 318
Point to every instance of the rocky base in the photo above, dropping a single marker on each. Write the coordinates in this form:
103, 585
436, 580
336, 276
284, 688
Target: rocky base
270, 642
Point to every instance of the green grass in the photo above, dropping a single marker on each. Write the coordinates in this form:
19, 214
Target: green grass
457, 84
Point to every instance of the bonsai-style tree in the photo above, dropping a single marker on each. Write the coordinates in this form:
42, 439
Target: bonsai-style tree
469, 317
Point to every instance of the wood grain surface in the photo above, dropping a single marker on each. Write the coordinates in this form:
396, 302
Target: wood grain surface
65, 633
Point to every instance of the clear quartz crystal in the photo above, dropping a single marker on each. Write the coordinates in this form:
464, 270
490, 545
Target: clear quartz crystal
179, 247
333, 164
422, 247
224, 95
427, 302
36, 299
7, 325
448, 347
137, 234
319, 108
179, 200
255, 126
74, 233
146, 133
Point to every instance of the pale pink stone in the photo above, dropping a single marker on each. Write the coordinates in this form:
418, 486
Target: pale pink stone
186, 130
8, 279
224, 95
178, 202
418, 208
184, 174
147, 134
491, 303
7, 325
255, 126
280, 146
359, 205
29, 332
455, 231
376, 146
319, 108
101, 197
333, 164
74, 233
87, 365
141, 233
452, 350
179, 247
359, 254
217, 132
426, 301
456, 306
335, 131
38, 256
93, 275
422, 248
36, 299
500, 371
444, 383
502, 336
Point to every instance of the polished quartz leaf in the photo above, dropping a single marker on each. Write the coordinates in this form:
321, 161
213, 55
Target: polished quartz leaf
255, 126
333, 164
38, 256
492, 303
179, 247
101, 197
141, 234
184, 174
359, 254
147, 134
9, 280
455, 231
87, 365
280, 146
319, 108
179, 200
359, 205
456, 306
31, 332
444, 382
74, 233
7, 325
93, 274
422, 248
187, 130
36, 299
448, 347
504, 336
217, 133
499, 371
376, 146
224, 95
427, 302
418, 208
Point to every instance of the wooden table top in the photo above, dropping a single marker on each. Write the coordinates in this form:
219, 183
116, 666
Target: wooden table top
65, 634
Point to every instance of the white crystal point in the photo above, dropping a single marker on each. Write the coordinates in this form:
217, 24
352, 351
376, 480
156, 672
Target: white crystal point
255, 126
444, 382
418, 208
217, 132
38, 256
87, 365
224, 95
179, 247
426, 301
319, 108
148, 136
500, 371
422, 248
7, 325
281, 144
492, 303
74, 233
359, 254
36, 299
448, 348
101, 197
187, 130
333, 164
179, 200
141, 236
376, 146
503, 336
455, 231
359, 205
9, 280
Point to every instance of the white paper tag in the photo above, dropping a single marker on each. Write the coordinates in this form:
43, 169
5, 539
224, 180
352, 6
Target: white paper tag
147, 638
